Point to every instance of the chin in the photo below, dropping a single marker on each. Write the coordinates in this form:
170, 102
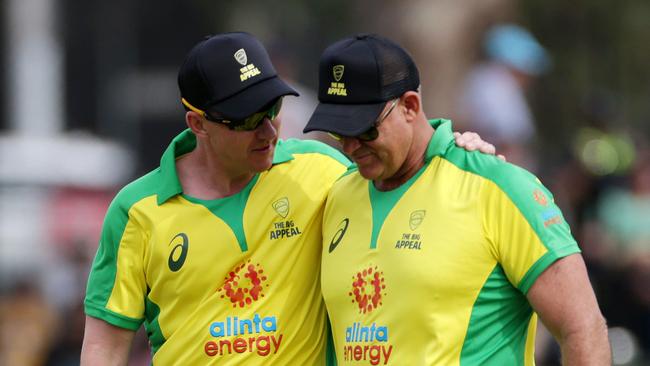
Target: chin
369, 173
260, 166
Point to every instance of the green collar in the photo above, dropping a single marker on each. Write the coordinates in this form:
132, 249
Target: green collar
440, 140
183, 144
438, 144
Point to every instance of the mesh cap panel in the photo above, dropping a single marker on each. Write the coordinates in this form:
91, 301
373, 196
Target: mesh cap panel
398, 73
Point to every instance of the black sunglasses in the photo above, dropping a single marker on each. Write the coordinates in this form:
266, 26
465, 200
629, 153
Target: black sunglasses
249, 123
372, 133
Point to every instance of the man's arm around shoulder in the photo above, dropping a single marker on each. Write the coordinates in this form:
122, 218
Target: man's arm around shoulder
105, 344
565, 302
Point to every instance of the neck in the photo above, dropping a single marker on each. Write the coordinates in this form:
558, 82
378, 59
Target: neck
414, 161
204, 176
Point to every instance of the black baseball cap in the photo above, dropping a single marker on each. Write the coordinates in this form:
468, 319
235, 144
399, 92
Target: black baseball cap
230, 74
357, 76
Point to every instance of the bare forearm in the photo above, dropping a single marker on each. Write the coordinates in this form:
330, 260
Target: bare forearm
105, 344
589, 347
100, 355
566, 303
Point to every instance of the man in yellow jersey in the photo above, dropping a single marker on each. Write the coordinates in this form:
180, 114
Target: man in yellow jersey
217, 251
433, 255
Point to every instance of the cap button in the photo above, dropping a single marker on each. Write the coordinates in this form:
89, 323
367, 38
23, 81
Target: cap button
362, 35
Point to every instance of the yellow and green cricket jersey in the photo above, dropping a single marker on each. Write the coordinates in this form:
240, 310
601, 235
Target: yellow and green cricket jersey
436, 271
231, 281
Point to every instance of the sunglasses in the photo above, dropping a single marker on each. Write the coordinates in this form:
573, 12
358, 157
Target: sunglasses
249, 123
372, 133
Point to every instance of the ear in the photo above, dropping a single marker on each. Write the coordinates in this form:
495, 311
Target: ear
195, 122
412, 104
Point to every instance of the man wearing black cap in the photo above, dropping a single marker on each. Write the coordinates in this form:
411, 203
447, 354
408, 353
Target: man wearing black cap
217, 251
433, 255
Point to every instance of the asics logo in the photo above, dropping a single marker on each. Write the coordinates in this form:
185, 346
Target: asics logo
338, 235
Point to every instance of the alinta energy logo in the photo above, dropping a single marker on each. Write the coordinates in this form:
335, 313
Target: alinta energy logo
540, 197
244, 284
368, 288
551, 215
367, 342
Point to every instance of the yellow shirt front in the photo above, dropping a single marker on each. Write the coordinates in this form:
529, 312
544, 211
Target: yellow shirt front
436, 271
232, 281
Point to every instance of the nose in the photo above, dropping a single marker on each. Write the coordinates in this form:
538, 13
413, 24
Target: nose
266, 130
350, 144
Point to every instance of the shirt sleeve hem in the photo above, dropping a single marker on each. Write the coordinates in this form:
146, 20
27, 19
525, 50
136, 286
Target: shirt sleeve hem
544, 262
111, 317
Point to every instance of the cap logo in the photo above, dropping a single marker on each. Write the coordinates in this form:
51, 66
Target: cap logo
337, 88
248, 71
241, 57
337, 70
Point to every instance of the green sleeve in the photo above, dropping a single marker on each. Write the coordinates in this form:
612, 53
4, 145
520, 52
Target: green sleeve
118, 231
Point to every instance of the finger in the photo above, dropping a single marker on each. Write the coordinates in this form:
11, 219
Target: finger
460, 140
487, 148
501, 157
471, 136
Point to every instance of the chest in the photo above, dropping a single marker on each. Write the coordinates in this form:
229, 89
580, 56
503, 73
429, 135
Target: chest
247, 242
427, 242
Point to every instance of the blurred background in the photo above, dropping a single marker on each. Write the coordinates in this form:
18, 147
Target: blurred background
88, 102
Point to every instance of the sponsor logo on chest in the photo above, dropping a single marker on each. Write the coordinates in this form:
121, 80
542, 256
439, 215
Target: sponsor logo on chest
245, 285
367, 343
285, 227
412, 240
235, 336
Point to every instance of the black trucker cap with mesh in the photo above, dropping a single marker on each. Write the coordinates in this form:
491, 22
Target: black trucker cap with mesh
357, 76
230, 74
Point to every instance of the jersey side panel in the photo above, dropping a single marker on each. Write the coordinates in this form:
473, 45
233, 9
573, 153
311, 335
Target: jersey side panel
119, 226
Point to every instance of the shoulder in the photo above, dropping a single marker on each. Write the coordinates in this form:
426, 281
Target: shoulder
516, 182
350, 181
312, 147
130, 194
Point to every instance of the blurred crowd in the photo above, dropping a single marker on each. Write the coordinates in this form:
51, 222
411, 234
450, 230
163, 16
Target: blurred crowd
601, 181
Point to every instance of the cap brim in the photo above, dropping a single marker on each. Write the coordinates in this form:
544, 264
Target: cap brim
253, 98
344, 119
